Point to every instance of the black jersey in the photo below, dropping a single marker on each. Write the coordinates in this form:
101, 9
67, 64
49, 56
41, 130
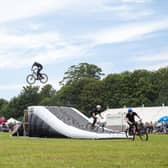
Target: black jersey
95, 111
131, 117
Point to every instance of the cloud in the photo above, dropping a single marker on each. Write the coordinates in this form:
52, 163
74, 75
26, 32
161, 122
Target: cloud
9, 87
13, 10
53, 47
19, 9
46, 48
157, 57
126, 33
8, 40
135, 1
49, 57
152, 67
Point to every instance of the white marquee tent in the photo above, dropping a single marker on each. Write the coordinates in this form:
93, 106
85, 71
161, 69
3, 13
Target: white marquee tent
115, 118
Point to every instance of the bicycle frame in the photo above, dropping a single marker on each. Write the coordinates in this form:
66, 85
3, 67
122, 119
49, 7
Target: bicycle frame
34, 73
31, 78
141, 131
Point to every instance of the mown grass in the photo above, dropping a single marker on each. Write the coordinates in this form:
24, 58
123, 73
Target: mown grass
23, 152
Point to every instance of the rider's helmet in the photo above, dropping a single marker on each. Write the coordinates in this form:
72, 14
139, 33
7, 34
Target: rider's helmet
98, 107
130, 110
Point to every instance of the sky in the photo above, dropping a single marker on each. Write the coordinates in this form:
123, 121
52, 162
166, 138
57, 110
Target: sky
115, 35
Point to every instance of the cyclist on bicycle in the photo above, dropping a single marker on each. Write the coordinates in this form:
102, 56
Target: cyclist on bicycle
94, 112
130, 118
39, 68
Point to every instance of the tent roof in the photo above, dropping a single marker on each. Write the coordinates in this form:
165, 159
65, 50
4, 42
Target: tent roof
147, 114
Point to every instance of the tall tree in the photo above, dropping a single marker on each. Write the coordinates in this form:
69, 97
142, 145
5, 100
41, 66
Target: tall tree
3, 106
29, 96
161, 83
83, 70
46, 93
91, 94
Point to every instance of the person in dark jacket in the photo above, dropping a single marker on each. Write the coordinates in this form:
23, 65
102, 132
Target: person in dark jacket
94, 112
39, 68
130, 118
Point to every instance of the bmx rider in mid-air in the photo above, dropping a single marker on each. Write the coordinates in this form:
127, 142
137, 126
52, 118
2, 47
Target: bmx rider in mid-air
36, 74
39, 68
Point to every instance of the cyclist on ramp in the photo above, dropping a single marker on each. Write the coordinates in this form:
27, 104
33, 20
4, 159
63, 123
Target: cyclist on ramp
94, 112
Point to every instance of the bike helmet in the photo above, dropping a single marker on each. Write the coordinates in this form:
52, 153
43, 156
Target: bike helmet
98, 106
130, 110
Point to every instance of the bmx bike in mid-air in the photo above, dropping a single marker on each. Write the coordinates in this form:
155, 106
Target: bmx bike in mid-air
141, 131
33, 77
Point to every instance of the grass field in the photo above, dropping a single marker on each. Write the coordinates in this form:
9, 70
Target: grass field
23, 152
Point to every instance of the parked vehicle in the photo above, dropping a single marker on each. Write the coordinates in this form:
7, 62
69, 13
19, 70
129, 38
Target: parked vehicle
4, 128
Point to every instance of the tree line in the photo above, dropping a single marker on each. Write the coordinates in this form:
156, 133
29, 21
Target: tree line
85, 85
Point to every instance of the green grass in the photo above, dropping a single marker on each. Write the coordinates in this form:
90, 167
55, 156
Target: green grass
23, 152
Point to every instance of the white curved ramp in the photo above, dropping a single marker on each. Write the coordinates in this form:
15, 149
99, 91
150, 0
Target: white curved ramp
67, 122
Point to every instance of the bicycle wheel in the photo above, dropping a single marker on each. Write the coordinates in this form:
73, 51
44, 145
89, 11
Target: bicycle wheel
143, 134
129, 133
92, 128
30, 79
44, 78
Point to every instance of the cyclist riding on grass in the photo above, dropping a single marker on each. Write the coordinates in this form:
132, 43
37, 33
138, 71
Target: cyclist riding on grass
130, 118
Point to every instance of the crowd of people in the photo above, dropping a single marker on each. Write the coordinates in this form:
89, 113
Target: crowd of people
157, 127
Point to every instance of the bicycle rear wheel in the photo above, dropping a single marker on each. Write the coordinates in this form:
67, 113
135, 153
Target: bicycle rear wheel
30, 79
44, 78
129, 133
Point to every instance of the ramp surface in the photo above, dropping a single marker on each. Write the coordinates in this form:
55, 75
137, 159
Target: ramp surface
54, 121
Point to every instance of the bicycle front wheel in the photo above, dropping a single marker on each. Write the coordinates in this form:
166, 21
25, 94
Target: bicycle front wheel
44, 78
143, 135
30, 79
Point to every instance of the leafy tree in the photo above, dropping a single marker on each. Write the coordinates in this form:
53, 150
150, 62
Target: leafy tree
91, 94
160, 81
83, 70
46, 93
83, 89
29, 96
68, 95
3, 106
112, 84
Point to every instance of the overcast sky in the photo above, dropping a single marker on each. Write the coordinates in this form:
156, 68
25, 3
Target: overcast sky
115, 35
